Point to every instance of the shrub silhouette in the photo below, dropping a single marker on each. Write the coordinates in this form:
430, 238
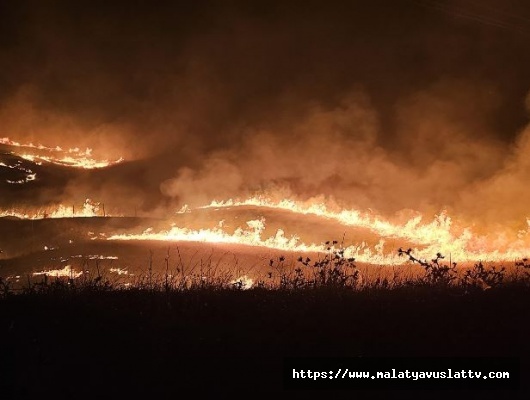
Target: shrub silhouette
436, 273
335, 269
482, 278
332, 269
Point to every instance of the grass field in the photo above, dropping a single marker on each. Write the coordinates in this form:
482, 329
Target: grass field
177, 318
92, 337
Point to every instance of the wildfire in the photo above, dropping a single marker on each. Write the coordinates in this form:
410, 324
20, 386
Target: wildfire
67, 271
243, 282
439, 235
119, 271
73, 157
88, 209
438, 229
250, 236
29, 174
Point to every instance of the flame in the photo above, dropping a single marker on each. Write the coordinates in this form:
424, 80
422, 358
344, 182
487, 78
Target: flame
70, 161
243, 282
251, 236
412, 230
73, 157
29, 174
119, 271
441, 234
89, 208
67, 271
95, 257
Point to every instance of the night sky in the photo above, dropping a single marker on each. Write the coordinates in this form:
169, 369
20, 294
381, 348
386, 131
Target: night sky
387, 105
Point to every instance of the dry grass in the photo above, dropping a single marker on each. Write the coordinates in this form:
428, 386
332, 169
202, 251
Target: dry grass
332, 270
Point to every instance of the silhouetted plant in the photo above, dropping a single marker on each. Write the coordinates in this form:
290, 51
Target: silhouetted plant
483, 278
525, 265
281, 273
5, 287
335, 269
436, 273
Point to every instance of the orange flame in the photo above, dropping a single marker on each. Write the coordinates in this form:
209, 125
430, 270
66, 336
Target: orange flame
73, 157
439, 235
30, 175
67, 271
89, 209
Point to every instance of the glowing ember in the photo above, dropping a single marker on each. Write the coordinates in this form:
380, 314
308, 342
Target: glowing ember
56, 155
95, 257
29, 174
119, 271
243, 282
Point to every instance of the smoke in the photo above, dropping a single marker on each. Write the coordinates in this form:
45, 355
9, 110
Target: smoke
444, 150
502, 197
22, 119
387, 107
218, 178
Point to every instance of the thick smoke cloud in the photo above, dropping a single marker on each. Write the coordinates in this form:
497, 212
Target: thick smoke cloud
385, 105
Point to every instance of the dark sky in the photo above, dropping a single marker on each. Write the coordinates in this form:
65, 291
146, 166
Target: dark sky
387, 97
109, 62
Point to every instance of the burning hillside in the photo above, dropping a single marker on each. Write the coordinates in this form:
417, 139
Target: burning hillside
73, 157
278, 134
360, 166
259, 223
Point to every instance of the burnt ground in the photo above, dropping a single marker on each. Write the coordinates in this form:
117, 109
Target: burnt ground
137, 342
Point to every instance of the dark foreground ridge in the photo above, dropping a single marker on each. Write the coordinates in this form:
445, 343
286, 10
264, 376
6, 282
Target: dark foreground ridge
139, 341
